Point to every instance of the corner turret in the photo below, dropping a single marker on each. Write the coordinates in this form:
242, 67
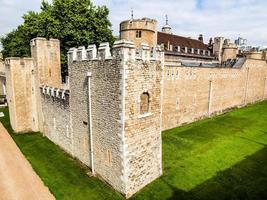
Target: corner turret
139, 31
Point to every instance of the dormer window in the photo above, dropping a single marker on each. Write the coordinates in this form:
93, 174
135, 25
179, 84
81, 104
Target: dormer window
138, 34
177, 48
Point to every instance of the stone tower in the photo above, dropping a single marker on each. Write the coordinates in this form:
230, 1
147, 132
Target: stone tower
46, 56
125, 112
21, 94
229, 51
24, 76
217, 48
139, 31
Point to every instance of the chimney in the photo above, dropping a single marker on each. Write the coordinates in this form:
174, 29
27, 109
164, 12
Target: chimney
210, 42
200, 38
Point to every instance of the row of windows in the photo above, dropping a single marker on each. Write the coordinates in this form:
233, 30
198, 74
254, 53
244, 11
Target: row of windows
175, 74
186, 50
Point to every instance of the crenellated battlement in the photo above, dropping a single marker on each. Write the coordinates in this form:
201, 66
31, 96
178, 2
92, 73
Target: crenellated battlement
21, 61
55, 92
123, 49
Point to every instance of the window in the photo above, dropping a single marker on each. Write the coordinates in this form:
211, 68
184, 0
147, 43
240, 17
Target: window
50, 73
177, 49
144, 105
138, 34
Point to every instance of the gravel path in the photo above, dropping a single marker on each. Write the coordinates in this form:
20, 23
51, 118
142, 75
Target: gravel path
18, 181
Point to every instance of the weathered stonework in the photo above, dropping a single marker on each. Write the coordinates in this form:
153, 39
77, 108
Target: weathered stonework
134, 94
121, 153
57, 124
146, 27
2, 79
46, 58
21, 95
191, 93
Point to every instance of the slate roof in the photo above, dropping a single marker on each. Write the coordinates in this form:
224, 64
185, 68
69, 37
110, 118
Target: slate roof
175, 40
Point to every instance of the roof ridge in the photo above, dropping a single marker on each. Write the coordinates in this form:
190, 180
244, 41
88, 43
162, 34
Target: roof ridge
180, 36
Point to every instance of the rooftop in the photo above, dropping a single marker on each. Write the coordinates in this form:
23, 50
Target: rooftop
176, 40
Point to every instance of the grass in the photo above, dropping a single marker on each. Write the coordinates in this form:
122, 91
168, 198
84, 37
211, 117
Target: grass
65, 177
220, 158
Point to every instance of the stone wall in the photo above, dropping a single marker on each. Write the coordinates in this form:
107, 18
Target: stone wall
57, 125
21, 95
122, 155
142, 131
135, 94
2, 79
46, 57
106, 91
192, 93
2, 66
229, 52
25, 76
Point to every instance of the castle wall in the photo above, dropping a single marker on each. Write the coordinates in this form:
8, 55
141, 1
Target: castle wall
57, 124
143, 131
21, 94
195, 93
134, 96
229, 53
2, 79
122, 156
106, 106
2, 66
46, 57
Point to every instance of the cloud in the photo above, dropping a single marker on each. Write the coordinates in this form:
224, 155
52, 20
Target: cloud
228, 18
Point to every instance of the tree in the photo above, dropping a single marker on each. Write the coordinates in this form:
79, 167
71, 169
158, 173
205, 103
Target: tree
73, 22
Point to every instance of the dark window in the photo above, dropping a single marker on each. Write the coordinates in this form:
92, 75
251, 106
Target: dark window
144, 105
138, 34
177, 48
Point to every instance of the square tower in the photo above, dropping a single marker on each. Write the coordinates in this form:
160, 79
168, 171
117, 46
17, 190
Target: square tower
123, 142
46, 57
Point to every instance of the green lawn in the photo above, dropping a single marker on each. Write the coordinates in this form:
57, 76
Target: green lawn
220, 158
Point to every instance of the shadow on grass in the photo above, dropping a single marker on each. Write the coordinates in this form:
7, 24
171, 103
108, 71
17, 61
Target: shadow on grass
245, 180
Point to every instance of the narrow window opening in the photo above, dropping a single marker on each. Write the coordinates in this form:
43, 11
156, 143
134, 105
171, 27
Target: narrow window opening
138, 34
50, 73
144, 105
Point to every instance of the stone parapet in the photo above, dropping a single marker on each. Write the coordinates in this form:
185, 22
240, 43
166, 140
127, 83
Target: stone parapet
123, 48
55, 92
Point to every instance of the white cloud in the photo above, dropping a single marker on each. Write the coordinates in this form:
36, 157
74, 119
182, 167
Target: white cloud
228, 18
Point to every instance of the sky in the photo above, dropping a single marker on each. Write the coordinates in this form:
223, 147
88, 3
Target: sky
212, 18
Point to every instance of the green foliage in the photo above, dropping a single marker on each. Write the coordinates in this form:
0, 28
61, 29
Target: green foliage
220, 158
73, 22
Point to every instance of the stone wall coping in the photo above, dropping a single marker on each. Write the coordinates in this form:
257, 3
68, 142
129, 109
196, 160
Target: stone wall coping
9, 59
